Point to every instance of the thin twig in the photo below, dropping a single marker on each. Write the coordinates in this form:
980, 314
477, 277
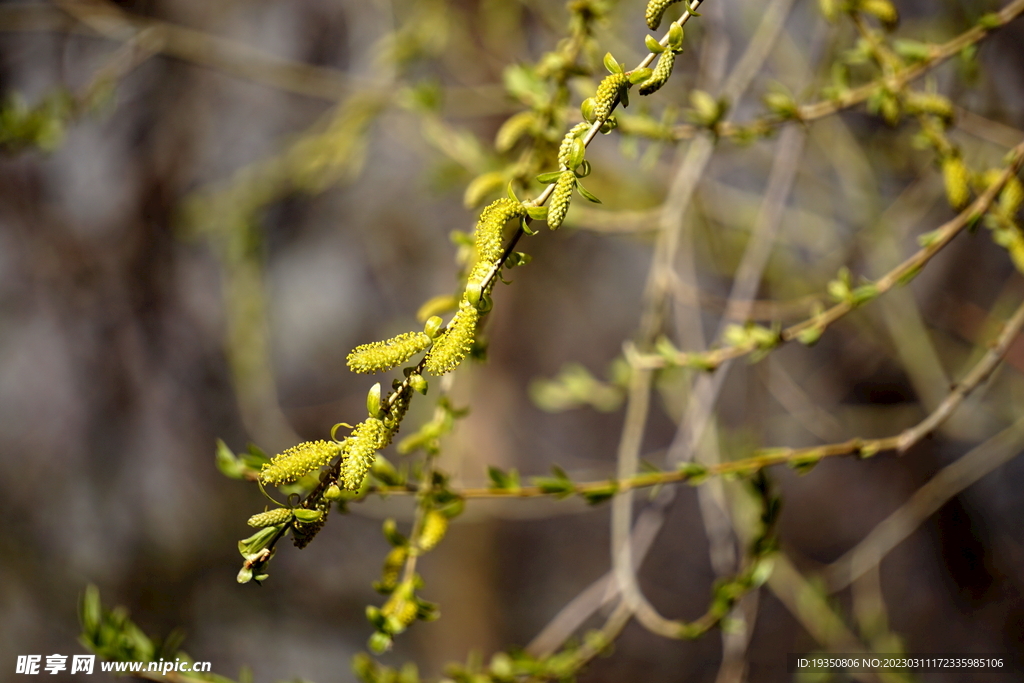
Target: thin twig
769, 457
897, 276
947, 483
894, 82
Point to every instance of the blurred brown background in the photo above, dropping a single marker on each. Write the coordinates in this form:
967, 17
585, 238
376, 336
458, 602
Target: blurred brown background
179, 268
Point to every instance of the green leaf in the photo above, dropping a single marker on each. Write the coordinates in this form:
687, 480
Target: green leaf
307, 516
675, 36
587, 109
373, 401
613, 66
601, 494
537, 213
553, 485
227, 463
512, 193
90, 612
504, 481
694, 472
639, 75
391, 533
549, 177
587, 194
653, 45
576, 153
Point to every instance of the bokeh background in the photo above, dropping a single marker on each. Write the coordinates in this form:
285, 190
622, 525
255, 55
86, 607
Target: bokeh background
234, 194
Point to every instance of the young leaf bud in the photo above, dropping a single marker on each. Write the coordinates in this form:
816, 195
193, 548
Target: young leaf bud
956, 178
653, 45
418, 383
639, 75
675, 37
576, 154
373, 401
609, 63
433, 326
474, 290
307, 516
587, 109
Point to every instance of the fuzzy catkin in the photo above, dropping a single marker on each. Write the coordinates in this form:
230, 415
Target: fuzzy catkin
565, 149
488, 232
395, 414
303, 532
883, 10
298, 461
1011, 197
401, 606
435, 525
384, 355
360, 449
607, 95
661, 73
451, 348
271, 518
393, 565
560, 199
956, 178
655, 10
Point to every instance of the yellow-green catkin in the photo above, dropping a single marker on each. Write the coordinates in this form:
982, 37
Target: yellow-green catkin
488, 232
565, 149
384, 355
435, 525
393, 565
607, 95
1011, 197
360, 449
514, 128
929, 103
271, 518
957, 178
560, 199
661, 73
451, 348
401, 606
883, 10
298, 461
395, 414
655, 10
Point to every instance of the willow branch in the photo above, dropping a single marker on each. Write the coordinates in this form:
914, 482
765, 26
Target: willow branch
769, 457
950, 481
897, 276
894, 82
